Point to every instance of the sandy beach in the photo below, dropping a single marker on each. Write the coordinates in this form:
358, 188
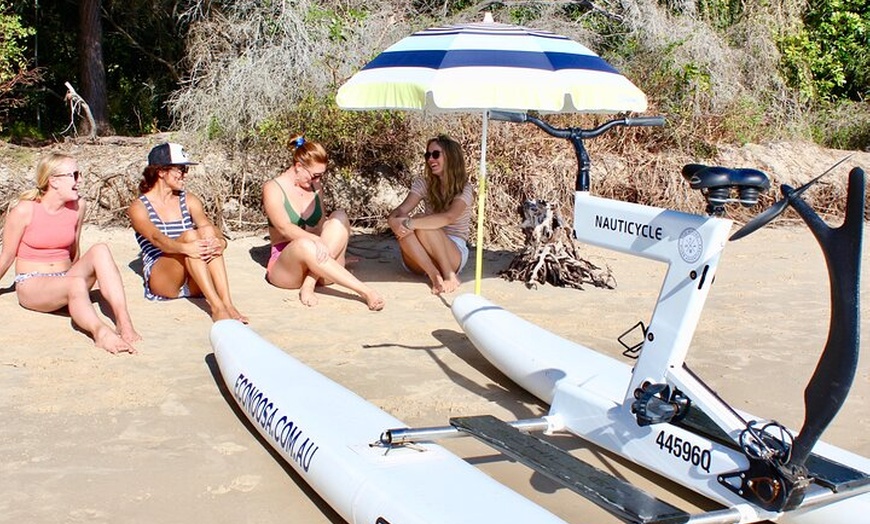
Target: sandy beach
91, 437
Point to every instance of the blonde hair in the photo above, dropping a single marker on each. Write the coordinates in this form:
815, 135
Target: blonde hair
45, 168
440, 197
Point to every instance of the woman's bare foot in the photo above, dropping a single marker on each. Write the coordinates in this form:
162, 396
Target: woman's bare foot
107, 339
307, 296
221, 313
234, 313
374, 300
451, 284
128, 334
437, 284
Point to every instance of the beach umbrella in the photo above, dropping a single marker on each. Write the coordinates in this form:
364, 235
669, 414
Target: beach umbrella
487, 66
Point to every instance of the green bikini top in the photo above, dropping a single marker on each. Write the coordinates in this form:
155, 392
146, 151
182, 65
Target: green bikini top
294, 217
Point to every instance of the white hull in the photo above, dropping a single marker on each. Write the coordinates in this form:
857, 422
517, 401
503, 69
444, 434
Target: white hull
324, 432
587, 391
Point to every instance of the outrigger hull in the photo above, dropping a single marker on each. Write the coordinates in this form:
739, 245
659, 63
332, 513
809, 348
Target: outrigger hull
586, 391
325, 432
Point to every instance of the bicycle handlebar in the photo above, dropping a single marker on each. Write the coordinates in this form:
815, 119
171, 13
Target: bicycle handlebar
520, 118
576, 135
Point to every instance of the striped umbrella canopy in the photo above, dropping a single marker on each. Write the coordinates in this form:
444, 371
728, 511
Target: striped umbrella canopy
489, 66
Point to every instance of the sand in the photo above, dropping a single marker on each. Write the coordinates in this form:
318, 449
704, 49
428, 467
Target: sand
91, 437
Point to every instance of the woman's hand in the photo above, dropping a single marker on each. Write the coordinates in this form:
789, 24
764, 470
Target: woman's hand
399, 226
210, 248
322, 251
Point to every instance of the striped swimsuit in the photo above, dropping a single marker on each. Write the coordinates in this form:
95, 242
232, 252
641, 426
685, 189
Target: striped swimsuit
151, 253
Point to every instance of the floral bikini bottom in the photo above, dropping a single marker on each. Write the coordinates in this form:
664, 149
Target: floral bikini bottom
21, 277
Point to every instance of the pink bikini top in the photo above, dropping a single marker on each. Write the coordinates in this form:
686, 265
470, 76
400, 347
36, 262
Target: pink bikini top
48, 237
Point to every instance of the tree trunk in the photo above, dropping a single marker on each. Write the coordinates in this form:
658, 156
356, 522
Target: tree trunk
93, 72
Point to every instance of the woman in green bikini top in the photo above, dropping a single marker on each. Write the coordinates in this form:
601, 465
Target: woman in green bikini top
312, 220
308, 247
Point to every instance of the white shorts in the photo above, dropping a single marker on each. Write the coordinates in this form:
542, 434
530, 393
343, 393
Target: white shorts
463, 251
461, 245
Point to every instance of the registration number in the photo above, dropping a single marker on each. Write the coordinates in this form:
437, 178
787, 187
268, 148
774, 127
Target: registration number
685, 450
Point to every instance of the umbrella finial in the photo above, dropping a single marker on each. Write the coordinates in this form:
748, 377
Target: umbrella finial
487, 18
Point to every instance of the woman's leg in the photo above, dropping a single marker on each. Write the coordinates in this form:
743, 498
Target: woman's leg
425, 253
46, 294
220, 280
171, 271
335, 233
299, 259
444, 254
97, 264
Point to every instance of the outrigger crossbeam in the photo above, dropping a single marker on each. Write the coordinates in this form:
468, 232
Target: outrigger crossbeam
620, 498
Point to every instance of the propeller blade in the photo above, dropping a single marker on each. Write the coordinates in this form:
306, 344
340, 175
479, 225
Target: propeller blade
799, 191
761, 219
767, 216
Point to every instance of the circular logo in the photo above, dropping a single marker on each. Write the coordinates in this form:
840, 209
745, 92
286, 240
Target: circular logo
690, 245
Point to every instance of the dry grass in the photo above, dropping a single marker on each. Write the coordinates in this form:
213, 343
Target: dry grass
523, 163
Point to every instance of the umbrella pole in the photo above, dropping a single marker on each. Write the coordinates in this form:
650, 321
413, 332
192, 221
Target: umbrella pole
481, 202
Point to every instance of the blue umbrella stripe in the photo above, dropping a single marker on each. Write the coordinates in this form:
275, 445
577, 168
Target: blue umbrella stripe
443, 59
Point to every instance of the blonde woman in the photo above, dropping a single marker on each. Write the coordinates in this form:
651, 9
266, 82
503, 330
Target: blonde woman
434, 242
308, 246
42, 237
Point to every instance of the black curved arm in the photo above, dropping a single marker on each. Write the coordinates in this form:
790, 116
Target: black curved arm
827, 389
576, 136
829, 386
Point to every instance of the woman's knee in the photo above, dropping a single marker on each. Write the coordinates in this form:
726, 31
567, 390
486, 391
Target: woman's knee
189, 235
300, 249
99, 252
340, 215
430, 238
78, 287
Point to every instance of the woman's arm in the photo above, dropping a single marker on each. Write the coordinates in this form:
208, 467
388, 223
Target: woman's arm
16, 220
74, 249
142, 224
438, 220
398, 216
216, 243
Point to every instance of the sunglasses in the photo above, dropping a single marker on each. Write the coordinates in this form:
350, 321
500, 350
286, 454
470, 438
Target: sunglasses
75, 175
434, 154
182, 168
314, 176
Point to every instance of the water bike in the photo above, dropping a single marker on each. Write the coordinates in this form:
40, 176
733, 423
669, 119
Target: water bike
655, 412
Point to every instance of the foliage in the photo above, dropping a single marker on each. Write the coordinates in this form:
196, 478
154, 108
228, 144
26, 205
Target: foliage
12, 32
843, 125
825, 54
14, 69
252, 62
143, 43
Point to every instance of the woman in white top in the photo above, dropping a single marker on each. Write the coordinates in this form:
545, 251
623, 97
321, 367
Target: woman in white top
434, 241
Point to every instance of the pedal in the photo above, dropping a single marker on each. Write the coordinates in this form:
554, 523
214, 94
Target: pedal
656, 404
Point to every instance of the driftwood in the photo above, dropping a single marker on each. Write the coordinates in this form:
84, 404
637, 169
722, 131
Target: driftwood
550, 254
78, 104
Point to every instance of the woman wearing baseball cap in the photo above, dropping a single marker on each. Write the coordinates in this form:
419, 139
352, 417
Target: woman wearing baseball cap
181, 249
